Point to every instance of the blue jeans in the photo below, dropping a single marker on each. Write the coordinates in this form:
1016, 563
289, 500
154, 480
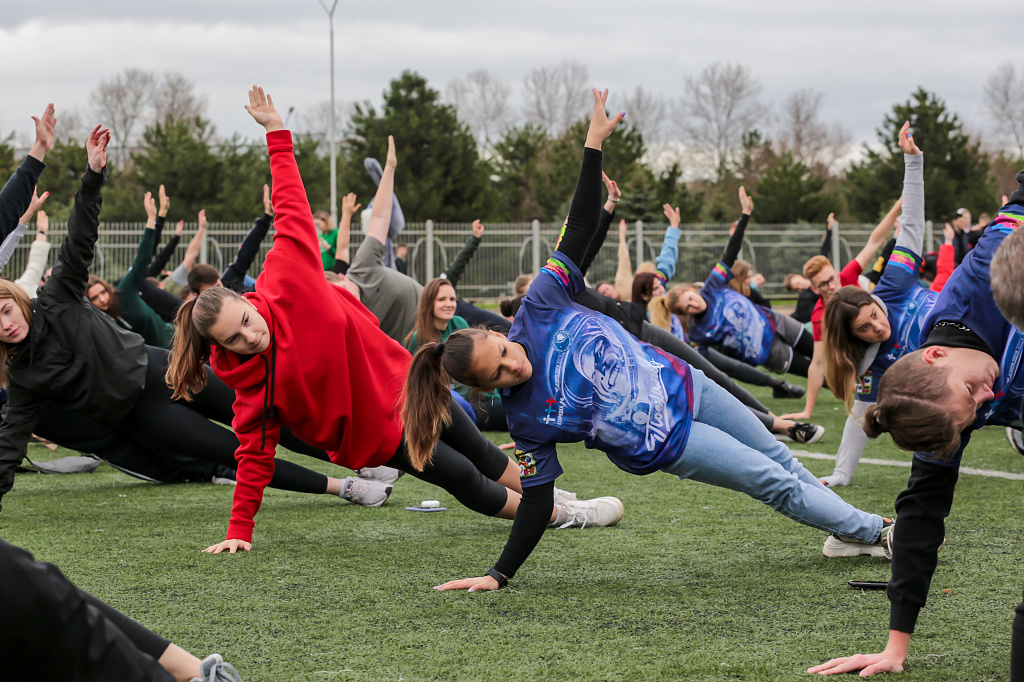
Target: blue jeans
728, 447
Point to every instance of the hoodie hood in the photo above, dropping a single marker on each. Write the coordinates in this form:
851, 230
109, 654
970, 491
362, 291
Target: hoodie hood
244, 372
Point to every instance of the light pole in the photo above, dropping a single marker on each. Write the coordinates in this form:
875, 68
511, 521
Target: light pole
331, 133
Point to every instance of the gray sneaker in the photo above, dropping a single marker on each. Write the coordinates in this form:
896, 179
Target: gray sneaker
214, 669
382, 474
365, 491
1016, 438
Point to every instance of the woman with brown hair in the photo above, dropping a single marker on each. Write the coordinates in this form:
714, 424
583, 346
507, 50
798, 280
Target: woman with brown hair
435, 322
865, 333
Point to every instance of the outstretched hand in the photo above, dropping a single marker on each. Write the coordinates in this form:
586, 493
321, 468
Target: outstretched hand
349, 205
623, 229
179, 228
96, 147
261, 108
746, 202
202, 219
45, 127
34, 205
392, 159
672, 214
482, 584
614, 193
906, 140
948, 234
268, 205
230, 546
601, 126
42, 222
165, 202
150, 205
831, 221
478, 229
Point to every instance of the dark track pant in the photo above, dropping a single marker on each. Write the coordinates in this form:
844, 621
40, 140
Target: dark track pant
51, 630
1017, 648
465, 464
477, 317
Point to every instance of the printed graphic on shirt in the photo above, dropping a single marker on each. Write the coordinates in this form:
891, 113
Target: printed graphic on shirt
865, 386
527, 464
1005, 407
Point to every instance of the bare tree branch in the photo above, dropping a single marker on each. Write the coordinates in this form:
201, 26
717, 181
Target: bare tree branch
122, 101
1003, 101
719, 105
556, 96
176, 99
482, 104
802, 133
648, 113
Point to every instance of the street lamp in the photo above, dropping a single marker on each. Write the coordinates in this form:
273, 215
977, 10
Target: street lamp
331, 133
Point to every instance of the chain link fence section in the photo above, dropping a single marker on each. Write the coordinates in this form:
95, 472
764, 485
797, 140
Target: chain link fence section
507, 250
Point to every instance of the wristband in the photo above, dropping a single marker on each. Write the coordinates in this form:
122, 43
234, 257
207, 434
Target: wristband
496, 574
614, 201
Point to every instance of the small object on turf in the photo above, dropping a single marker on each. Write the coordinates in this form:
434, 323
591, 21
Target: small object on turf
426, 509
430, 504
869, 584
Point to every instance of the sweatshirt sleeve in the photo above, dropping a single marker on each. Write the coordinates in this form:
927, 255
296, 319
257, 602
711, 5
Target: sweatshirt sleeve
528, 528
37, 255
598, 240
159, 262
732, 249
454, 274
666, 263
11, 243
912, 219
585, 210
255, 456
16, 195
944, 266
296, 249
234, 276
921, 510
129, 285
71, 271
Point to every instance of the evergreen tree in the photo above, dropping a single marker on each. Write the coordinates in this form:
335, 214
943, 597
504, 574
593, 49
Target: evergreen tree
440, 174
519, 167
956, 173
789, 192
672, 190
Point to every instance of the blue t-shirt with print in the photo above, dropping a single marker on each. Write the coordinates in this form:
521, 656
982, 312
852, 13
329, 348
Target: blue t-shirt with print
743, 329
592, 381
907, 305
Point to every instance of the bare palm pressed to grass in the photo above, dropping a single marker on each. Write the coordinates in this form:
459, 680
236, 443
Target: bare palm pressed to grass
696, 583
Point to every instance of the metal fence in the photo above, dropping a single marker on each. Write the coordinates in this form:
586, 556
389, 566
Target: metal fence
507, 250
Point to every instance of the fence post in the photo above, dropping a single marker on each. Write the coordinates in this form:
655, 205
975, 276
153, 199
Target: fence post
535, 226
639, 244
929, 236
430, 250
837, 260
204, 249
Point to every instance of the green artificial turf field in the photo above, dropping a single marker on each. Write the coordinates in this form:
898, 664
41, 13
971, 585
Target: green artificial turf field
695, 583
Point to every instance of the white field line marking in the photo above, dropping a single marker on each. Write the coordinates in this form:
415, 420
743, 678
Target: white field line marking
896, 463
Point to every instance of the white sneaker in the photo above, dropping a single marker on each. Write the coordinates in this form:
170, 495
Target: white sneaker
563, 496
382, 474
1016, 438
837, 545
600, 511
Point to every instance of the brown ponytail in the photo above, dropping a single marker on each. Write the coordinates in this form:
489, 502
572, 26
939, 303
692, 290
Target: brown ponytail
190, 347
672, 303
426, 405
843, 350
910, 407
661, 316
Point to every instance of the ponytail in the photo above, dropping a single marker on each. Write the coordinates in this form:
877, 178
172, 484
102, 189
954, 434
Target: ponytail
911, 408
191, 345
661, 316
426, 405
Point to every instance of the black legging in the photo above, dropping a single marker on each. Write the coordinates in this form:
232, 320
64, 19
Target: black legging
803, 351
465, 464
490, 415
739, 370
478, 317
52, 630
175, 428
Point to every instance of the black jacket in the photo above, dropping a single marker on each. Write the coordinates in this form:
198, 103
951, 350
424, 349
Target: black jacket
75, 355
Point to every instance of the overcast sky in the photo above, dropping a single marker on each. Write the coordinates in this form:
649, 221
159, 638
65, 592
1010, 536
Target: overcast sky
864, 56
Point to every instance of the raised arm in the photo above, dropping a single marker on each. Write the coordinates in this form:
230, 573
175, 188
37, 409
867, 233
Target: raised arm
826, 239
911, 235
37, 254
129, 284
196, 244
234, 276
11, 242
879, 235
16, 195
380, 216
159, 262
624, 271
71, 271
585, 209
349, 208
605, 222
454, 274
666, 263
161, 216
732, 249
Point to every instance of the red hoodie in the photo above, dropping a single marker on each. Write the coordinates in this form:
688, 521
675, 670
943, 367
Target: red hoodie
335, 379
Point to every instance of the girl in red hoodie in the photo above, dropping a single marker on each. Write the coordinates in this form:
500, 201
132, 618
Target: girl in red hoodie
304, 353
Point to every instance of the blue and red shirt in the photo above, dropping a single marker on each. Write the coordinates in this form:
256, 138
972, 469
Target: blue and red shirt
592, 381
742, 328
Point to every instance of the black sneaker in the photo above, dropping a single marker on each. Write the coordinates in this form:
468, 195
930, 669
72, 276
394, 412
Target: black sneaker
1016, 438
784, 390
806, 433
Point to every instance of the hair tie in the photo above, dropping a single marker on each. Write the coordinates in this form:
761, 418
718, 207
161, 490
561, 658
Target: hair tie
439, 349
882, 425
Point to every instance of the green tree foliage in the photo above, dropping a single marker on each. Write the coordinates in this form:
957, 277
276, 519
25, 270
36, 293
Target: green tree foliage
65, 163
245, 168
956, 173
520, 171
672, 190
789, 192
440, 174
8, 163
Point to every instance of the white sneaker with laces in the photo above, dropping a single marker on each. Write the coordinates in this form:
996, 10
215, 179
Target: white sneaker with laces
563, 496
365, 491
600, 511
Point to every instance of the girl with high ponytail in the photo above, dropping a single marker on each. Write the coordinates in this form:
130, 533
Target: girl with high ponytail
569, 374
302, 353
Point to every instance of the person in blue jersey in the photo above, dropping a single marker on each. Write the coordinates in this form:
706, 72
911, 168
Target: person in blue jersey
718, 316
866, 333
569, 374
968, 373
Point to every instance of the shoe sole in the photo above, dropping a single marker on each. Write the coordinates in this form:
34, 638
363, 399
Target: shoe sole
834, 547
621, 511
815, 438
1010, 433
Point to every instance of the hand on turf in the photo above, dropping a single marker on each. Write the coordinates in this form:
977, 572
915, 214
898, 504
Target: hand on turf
796, 416
231, 546
482, 584
867, 665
